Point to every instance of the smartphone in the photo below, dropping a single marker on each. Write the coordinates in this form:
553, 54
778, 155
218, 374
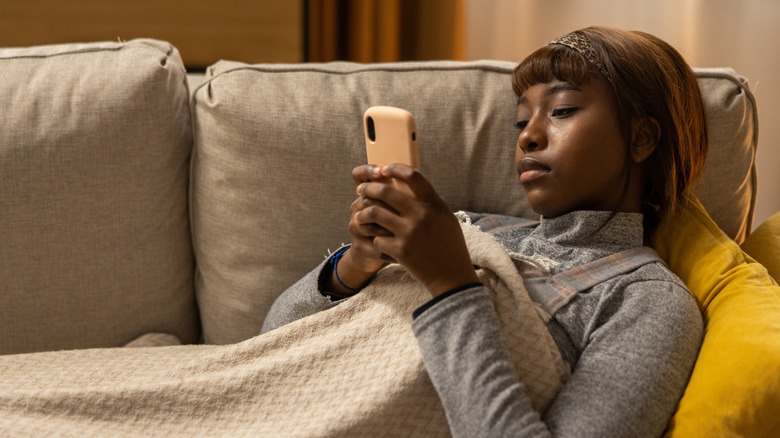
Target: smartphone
391, 137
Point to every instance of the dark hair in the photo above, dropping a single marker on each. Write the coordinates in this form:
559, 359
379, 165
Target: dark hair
648, 77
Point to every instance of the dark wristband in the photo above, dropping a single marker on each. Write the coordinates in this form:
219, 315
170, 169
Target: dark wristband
334, 262
326, 274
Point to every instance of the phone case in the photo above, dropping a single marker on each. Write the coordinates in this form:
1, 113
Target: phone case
391, 137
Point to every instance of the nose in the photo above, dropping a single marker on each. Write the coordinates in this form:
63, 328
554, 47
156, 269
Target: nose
527, 146
531, 138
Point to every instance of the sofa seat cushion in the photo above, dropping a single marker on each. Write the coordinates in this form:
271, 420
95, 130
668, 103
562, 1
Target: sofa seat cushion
95, 142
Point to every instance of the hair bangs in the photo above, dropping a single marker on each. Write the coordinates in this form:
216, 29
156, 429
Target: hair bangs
549, 63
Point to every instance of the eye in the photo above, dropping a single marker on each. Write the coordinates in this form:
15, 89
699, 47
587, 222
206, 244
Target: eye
563, 112
521, 124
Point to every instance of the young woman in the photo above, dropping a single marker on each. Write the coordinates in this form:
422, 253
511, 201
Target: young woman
611, 135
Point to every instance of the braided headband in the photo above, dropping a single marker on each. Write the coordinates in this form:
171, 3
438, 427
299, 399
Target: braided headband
578, 42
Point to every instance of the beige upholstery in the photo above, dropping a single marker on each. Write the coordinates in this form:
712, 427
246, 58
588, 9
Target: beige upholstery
275, 144
727, 186
95, 246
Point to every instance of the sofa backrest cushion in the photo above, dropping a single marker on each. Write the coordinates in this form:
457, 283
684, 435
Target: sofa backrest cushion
727, 186
95, 249
275, 146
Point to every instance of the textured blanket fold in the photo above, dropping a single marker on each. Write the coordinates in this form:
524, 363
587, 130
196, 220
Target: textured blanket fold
354, 370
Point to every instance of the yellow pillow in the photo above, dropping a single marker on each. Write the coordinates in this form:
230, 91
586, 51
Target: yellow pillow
763, 244
735, 386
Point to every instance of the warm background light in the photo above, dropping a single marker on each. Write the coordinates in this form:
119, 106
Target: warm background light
709, 33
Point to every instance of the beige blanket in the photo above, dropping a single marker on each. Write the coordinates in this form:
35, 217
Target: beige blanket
354, 370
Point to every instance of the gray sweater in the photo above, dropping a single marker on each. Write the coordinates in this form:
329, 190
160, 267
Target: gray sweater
631, 341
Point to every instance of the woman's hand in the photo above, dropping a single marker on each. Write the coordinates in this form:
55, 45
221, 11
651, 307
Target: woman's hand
421, 232
361, 261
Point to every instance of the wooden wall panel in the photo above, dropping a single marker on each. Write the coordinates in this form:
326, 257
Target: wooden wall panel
203, 31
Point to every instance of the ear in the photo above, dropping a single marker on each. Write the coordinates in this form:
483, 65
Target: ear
645, 135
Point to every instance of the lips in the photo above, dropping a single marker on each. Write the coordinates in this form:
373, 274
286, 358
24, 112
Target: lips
530, 169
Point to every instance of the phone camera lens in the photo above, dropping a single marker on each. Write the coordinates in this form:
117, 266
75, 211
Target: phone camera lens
370, 129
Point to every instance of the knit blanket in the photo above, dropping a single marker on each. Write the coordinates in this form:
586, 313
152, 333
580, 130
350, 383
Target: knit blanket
354, 370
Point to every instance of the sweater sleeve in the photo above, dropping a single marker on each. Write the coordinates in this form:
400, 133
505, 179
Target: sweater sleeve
627, 381
300, 300
639, 353
466, 358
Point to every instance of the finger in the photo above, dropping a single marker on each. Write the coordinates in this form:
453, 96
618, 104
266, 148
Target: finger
384, 246
383, 194
365, 230
378, 216
365, 250
363, 202
365, 173
374, 230
413, 178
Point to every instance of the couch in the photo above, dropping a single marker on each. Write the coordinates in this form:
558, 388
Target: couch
145, 206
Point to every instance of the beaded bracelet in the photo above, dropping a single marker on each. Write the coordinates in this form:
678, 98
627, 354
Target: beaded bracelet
334, 261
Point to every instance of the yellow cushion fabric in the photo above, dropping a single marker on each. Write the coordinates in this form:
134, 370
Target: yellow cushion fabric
735, 385
764, 245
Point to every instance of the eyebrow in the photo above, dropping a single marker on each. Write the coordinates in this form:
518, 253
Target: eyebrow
557, 88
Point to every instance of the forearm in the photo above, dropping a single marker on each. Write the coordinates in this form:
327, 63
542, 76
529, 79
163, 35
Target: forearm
469, 365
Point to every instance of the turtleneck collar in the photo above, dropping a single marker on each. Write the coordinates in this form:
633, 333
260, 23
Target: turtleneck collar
576, 228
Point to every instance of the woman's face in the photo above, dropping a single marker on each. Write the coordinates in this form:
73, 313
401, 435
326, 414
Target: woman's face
570, 154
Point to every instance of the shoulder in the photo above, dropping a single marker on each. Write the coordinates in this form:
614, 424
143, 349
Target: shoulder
654, 293
650, 296
654, 282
